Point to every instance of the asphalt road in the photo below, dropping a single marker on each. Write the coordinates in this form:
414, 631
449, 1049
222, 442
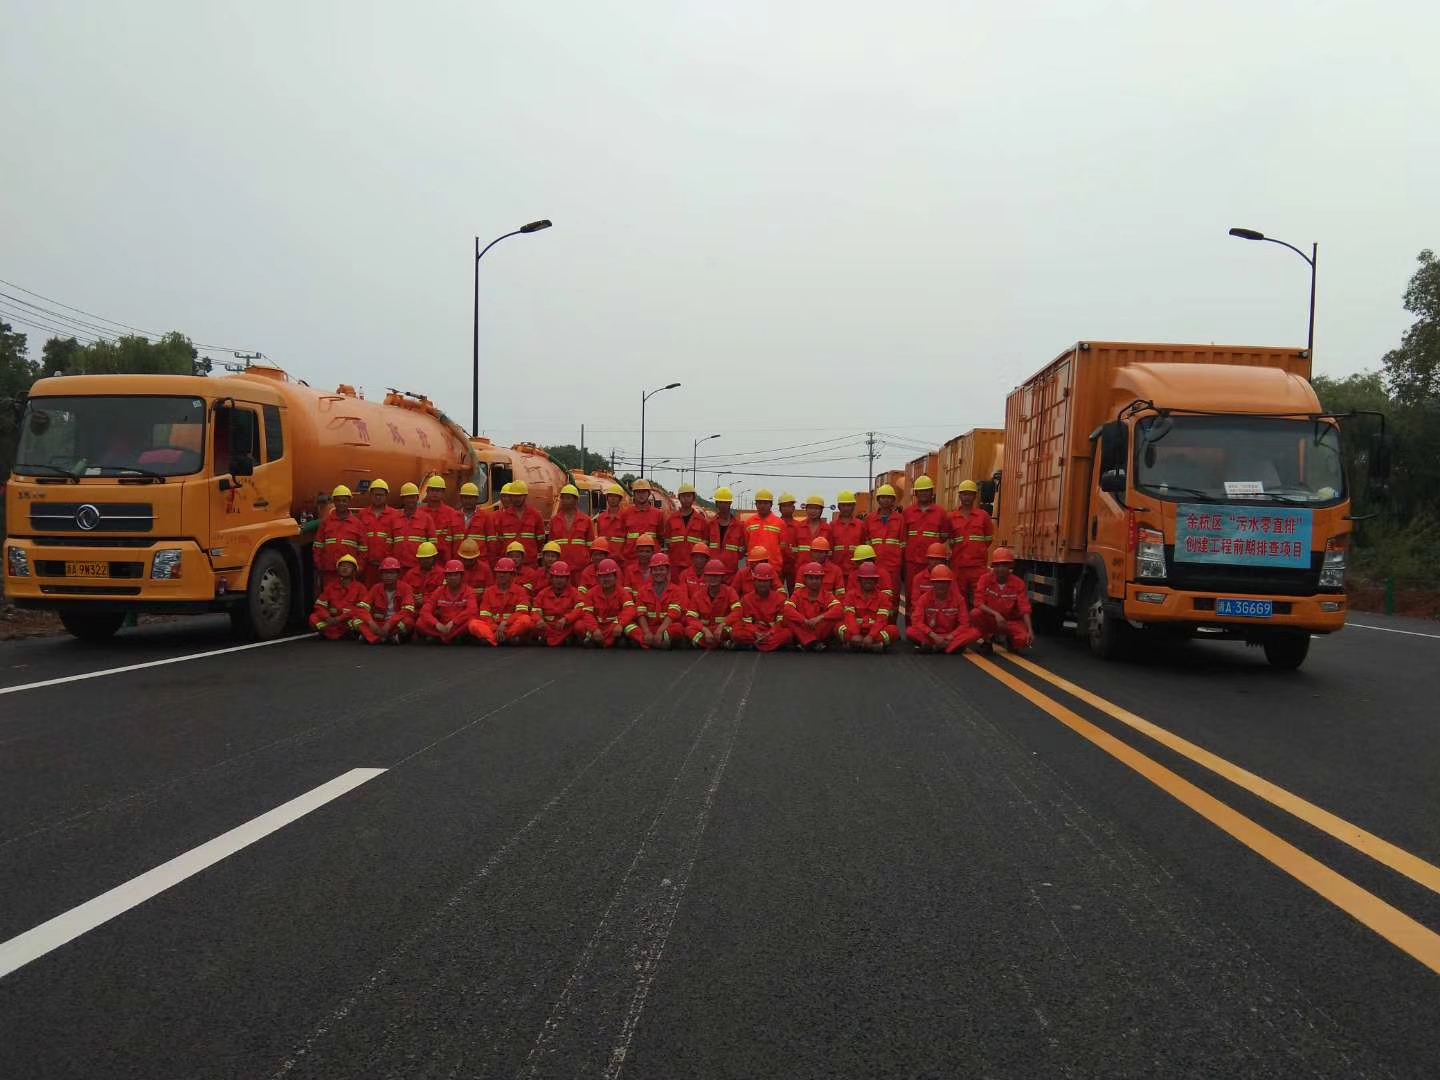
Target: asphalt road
721, 865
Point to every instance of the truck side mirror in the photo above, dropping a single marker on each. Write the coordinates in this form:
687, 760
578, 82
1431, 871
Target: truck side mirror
1113, 481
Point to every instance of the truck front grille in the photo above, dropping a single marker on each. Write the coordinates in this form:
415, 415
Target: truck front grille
61, 517
1243, 580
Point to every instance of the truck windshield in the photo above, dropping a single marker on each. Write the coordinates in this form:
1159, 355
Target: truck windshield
1239, 458
111, 436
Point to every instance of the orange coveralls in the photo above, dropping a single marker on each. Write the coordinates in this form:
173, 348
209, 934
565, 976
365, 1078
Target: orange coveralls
970, 548
1012, 600
805, 605
868, 615
411, 530
947, 617
387, 616
336, 607
727, 543
612, 614
923, 526
378, 530
712, 613
556, 612
652, 609
574, 537
444, 606
760, 622
505, 610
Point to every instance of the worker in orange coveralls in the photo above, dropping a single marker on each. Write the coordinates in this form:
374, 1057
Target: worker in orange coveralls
788, 538
611, 523
727, 533
339, 601
504, 616
427, 574
474, 521
599, 552
448, 523
812, 613
557, 608
766, 530
806, 527
940, 622
378, 523
926, 523
745, 577
477, 571
642, 518
387, 617
760, 622
885, 532
937, 554
863, 555
1002, 605
971, 532
707, 620
660, 606
609, 611
413, 527
687, 526
339, 533
867, 625
637, 570
834, 575
527, 575
847, 532
693, 577
572, 529
449, 610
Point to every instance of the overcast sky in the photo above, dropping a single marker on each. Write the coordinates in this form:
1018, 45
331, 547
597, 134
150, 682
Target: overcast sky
821, 218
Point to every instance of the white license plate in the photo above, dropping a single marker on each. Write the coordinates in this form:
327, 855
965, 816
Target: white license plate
1245, 609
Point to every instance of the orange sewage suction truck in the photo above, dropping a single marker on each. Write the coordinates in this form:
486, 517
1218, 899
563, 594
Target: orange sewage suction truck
148, 494
1181, 489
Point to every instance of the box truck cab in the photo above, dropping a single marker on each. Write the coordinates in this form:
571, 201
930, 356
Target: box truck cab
1176, 489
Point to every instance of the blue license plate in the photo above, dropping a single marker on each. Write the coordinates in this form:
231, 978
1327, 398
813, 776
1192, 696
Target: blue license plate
1245, 609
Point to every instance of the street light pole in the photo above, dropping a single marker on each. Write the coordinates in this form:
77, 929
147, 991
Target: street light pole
534, 226
695, 455
644, 397
1312, 259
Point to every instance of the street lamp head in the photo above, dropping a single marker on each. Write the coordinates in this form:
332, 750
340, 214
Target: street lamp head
536, 226
714, 436
672, 386
1247, 234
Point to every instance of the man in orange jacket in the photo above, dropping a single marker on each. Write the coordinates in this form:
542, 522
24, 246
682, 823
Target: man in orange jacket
940, 622
478, 577
572, 529
707, 620
557, 608
936, 554
834, 575
427, 574
863, 556
378, 524
637, 571
504, 615
1002, 605
338, 604
339, 533
693, 576
609, 614
474, 521
685, 527
867, 625
766, 530
885, 532
610, 525
448, 523
926, 523
449, 610
516, 522
807, 527
847, 532
789, 538
643, 518
813, 614
660, 606
387, 617
760, 622
727, 533
599, 552
413, 527
971, 532
745, 578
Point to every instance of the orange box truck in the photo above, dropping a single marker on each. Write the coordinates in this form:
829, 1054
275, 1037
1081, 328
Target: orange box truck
170, 494
972, 456
1181, 489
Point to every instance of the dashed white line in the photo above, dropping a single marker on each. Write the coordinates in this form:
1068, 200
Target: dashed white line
1390, 630
50, 935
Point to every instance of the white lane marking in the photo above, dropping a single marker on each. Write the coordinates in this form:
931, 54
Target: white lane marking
35, 943
148, 664
1390, 630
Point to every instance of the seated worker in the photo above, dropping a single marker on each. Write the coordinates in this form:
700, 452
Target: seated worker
637, 571
609, 611
760, 622
478, 577
693, 576
338, 604
448, 610
940, 622
865, 553
599, 553
387, 617
557, 608
504, 616
935, 555
527, 576
834, 574
426, 575
745, 576
812, 613
707, 619
867, 626
1002, 606
660, 606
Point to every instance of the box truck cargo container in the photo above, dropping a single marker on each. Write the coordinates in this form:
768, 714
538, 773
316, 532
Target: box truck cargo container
972, 456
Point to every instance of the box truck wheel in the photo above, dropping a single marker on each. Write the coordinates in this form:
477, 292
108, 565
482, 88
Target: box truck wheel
1099, 624
1287, 651
266, 610
91, 625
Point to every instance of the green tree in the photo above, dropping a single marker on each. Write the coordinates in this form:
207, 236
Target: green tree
130, 355
17, 372
567, 456
1413, 370
58, 356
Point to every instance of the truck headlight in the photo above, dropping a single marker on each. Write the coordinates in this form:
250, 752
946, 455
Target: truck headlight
18, 561
1332, 570
166, 564
1150, 554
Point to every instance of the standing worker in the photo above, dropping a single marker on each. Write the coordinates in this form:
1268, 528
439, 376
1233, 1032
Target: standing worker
339, 533
885, 532
611, 523
766, 530
809, 527
516, 522
940, 622
1002, 605
448, 524
449, 610
378, 522
474, 521
727, 533
788, 539
926, 523
847, 532
413, 527
685, 527
642, 518
387, 617
338, 605
971, 531
572, 529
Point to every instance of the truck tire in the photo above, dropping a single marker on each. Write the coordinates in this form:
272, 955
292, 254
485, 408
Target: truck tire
1097, 623
1287, 652
266, 611
91, 625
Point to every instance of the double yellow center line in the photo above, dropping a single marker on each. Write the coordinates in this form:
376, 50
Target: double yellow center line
1384, 919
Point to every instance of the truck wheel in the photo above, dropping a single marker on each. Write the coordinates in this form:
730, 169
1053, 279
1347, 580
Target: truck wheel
90, 625
1287, 651
266, 611
1107, 633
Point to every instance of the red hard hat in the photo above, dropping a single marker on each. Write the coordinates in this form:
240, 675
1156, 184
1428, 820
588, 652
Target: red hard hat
820, 544
869, 570
713, 567
505, 566
763, 572
937, 551
942, 573
699, 549
608, 566
660, 560
812, 569
600, 544
454, 566
560, 568
390, 563
758, 554
1002, 554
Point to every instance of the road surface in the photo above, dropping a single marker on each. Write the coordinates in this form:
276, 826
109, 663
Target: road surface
320, 860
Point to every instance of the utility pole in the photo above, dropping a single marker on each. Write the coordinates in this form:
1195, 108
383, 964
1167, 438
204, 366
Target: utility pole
582, 450
870, 467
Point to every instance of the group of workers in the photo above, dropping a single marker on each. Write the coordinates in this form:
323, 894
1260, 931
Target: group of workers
633, 574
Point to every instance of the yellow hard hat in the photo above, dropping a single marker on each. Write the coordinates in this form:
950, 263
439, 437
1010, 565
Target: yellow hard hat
514, 545
863, 552
553, 546
785, 497
615, 489
845, 498
350, 559
379, 485
814, 500
519, 487
341, 492
640, 485
764, 495
468, 549
427, 550
570, 489
435, 483
724, 495
408, 488
508, 489
686, 489
924, 483
470, 489
883, 490
969, 485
